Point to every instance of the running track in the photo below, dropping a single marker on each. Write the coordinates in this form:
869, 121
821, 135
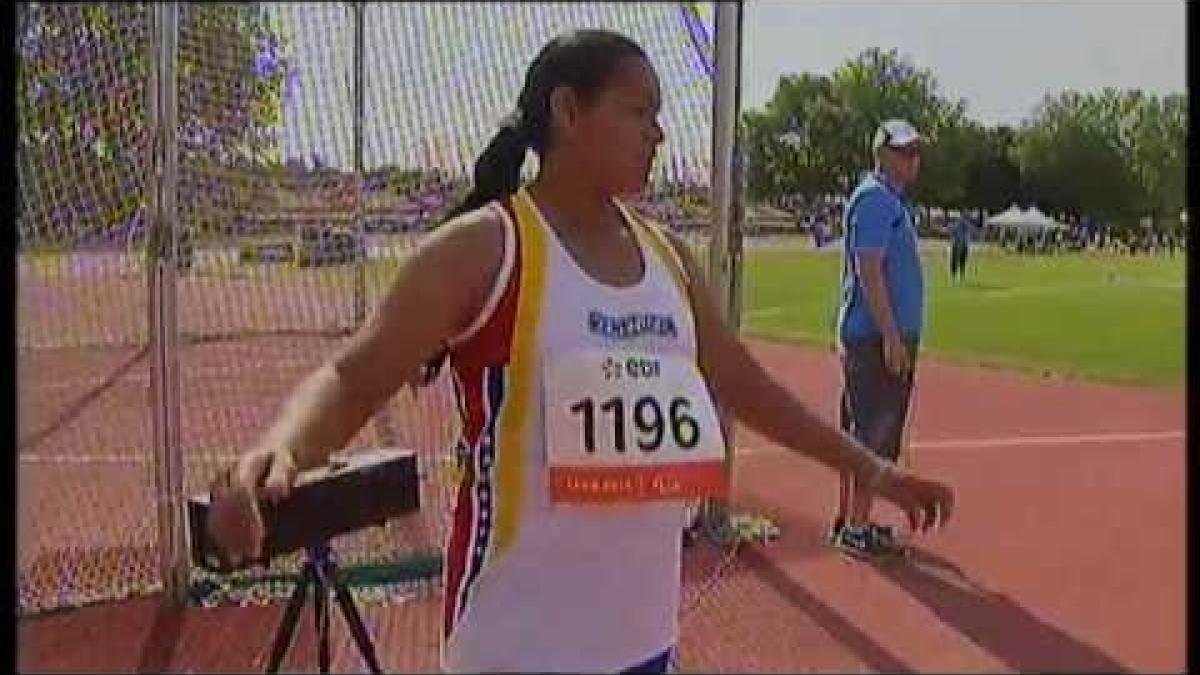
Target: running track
1066, 553
1069, 528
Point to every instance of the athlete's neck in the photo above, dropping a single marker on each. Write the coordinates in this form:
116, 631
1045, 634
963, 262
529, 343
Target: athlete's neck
573, 199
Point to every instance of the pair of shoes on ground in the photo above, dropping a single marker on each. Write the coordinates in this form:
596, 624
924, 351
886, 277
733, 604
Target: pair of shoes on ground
865, 541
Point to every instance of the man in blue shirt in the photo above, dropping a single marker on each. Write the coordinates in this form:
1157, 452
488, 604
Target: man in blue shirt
879, 323
960, 244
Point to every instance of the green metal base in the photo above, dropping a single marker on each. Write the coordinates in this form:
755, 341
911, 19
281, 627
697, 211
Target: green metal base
381, 582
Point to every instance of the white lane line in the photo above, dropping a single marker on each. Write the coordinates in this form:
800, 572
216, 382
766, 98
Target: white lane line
765, 311
1071, 439
1021, 441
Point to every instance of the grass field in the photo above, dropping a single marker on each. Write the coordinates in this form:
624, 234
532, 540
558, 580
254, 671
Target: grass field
1089, 315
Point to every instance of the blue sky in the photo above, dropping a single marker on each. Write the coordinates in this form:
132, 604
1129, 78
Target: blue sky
1001, 56
436, 86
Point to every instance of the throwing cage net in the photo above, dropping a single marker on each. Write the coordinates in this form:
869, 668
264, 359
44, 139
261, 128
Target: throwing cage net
313, 145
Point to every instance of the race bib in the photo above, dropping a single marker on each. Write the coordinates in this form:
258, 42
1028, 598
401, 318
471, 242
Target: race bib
628, 427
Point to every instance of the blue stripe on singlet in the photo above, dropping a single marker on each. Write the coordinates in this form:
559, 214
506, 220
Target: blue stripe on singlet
658, 663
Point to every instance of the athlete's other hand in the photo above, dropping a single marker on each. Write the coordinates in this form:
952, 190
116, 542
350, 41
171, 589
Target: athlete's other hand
927, 503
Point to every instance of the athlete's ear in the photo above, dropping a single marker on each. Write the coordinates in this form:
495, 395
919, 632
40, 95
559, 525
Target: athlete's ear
564, 111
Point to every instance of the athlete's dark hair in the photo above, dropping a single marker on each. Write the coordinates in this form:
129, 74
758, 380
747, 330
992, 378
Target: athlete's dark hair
583, 60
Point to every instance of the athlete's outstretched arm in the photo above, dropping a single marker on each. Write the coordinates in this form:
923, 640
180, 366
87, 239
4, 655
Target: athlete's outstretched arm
757, 400
435, 294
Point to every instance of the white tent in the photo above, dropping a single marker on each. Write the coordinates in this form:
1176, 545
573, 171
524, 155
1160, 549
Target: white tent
1007, 218
1028, 220
1028, 229
1035, 218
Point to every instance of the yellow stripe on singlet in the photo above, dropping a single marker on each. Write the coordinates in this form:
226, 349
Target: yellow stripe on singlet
521, 391
652, 235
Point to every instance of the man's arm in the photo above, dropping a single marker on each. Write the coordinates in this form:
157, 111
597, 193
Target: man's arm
872, 221
870, 271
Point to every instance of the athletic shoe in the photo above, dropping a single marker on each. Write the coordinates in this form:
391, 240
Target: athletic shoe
857, 540
884, 534
835, 530
884, 537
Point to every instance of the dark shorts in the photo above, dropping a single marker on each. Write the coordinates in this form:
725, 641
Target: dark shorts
958, 256
874, 405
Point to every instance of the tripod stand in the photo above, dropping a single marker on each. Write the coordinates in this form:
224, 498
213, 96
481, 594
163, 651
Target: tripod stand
320, 572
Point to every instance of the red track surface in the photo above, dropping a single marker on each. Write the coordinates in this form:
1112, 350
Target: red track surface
1073, 553
1065, 554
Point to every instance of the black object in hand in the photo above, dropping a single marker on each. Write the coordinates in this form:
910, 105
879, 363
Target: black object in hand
369, 488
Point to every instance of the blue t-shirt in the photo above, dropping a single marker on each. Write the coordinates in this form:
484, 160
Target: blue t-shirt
960, 232
878, 217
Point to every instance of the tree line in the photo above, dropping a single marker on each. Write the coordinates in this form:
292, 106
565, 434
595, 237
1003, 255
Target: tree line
84, 141
1117, 156
84, 132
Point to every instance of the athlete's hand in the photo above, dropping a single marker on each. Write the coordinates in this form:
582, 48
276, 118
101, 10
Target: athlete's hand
235, 521
927, 503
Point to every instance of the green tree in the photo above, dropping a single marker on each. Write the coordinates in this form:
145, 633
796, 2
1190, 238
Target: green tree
84, 139
791, 147
814, 135
992, 177
1158, 155
877, 85
1111, 154
946, 158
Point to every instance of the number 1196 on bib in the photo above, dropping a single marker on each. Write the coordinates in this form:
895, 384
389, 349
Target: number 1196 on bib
624, 427
648, 420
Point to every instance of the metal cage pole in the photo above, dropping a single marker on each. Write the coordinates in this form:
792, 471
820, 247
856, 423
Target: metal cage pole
725, 244
357, 10
163, 316
724, 251
737, 181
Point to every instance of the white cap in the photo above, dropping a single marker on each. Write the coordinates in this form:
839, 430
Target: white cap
895, 133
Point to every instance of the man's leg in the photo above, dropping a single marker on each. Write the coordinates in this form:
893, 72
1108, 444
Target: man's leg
896, 396
878, 401
854, 406
846, 479
873, 413
860, 507
863, 370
